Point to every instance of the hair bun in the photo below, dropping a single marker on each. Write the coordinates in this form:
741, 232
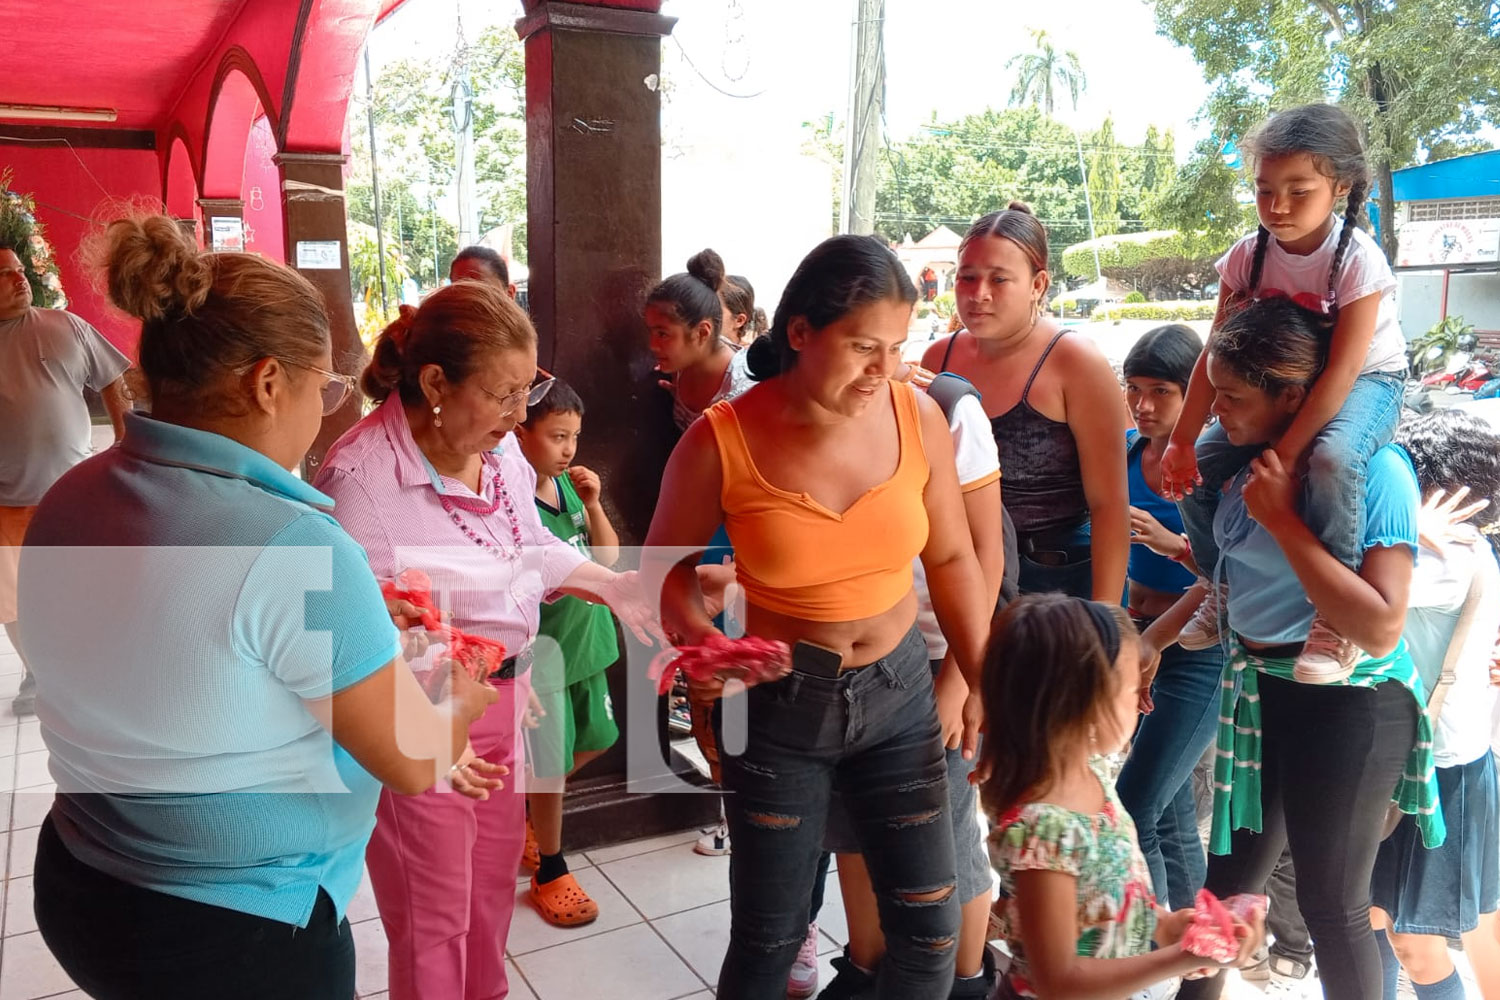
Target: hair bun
399, 329
708, 267
154, 270
1020, 206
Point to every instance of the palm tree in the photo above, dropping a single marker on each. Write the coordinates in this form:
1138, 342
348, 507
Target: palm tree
1039, 71
1036, 73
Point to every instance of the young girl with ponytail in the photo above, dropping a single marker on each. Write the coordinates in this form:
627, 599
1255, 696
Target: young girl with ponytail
1305, 159
685, 316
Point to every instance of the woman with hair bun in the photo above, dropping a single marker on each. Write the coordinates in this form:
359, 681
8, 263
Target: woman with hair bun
685, 317
221, 683
433, 480
1062, 450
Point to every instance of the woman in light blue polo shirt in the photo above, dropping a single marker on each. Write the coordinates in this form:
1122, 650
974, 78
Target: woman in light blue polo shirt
219, 679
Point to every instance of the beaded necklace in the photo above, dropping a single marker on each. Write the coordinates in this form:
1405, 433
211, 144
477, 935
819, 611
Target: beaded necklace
484, 509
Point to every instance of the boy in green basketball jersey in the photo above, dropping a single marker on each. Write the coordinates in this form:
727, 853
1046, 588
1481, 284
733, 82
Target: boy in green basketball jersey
575, 645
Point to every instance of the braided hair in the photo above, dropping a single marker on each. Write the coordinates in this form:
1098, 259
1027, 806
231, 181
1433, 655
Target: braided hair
1326, 133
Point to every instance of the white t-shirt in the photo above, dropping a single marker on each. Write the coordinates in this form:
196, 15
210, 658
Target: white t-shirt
47, 358
736, 380
978, 461
1439, 586
1304, 280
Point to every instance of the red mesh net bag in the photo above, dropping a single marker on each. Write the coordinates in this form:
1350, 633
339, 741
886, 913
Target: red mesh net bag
748, 658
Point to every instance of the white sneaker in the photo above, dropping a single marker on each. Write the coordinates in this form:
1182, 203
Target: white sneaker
1327, 658
714, 842
803, 982
1202, 631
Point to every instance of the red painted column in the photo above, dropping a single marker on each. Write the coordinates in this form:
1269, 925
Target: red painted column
312, 198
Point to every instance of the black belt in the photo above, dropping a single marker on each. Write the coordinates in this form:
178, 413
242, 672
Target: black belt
512, 665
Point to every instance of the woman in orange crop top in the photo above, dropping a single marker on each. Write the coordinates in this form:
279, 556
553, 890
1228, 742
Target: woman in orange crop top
830, 479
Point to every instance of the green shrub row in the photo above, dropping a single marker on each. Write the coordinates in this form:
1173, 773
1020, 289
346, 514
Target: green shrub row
1169, 311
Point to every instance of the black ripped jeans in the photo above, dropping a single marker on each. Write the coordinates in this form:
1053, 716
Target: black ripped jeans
873, 734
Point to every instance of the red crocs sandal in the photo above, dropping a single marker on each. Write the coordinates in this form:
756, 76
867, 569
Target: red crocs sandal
563, 903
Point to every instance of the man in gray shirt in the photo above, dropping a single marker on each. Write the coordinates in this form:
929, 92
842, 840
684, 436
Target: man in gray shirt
47, 358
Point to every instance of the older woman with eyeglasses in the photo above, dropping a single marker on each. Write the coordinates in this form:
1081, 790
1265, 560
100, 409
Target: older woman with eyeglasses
433, 480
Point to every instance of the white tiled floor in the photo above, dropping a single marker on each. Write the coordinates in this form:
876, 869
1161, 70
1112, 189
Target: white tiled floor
661, 933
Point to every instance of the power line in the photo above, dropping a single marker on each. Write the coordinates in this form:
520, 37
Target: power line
694, 67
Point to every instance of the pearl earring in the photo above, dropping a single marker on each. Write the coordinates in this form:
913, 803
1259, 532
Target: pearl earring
437, 416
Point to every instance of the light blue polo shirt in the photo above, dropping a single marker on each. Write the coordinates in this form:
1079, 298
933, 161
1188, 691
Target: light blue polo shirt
173, 655
1267, 602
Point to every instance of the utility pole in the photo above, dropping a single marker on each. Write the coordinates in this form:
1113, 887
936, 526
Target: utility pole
1088, 205
375, 181
462, 112
862, 128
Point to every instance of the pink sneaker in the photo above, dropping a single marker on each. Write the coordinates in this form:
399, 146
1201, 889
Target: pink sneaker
1203, 631
803, 982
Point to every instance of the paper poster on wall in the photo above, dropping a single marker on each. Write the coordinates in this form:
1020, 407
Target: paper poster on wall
228, 233
318, 255
1450, 241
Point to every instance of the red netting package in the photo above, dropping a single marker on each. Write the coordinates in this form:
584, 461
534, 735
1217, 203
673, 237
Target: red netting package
748, 658
1211, 934
479, 656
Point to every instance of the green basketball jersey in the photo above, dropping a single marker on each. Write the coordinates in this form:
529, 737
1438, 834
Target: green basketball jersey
584, 632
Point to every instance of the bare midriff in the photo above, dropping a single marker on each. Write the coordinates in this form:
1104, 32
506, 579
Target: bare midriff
860, 642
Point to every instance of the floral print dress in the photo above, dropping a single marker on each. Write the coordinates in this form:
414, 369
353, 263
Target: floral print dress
1116, 910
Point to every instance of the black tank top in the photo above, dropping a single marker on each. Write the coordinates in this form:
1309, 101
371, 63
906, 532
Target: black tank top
1043, 484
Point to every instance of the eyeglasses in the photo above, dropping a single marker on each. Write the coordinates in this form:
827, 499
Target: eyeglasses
533, 394
335, 390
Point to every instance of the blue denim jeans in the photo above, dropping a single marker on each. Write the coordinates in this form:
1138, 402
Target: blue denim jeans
1333, 502
1155, 785
873, 735
1074, 577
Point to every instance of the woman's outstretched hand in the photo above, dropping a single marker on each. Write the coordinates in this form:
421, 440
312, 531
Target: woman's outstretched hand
623, 595
1441, 513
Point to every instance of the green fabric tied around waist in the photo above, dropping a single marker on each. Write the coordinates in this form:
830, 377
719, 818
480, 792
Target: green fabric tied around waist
1237, 760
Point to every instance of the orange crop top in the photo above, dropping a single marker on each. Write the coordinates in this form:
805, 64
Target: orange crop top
796, 557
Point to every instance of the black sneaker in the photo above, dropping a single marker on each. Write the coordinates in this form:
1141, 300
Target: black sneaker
849, 983
978, 988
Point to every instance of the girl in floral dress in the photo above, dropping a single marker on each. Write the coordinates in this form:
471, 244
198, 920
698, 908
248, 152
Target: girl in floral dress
1075, 906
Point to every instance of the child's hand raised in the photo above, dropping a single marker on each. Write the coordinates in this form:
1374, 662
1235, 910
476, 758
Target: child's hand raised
1179, 469
585, 484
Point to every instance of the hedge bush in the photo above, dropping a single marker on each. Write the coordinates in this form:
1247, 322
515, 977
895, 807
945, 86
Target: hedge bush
1166, 311
1125, 251
1134, 297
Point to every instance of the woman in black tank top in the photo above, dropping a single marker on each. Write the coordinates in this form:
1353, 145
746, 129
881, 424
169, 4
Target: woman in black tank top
1064, 485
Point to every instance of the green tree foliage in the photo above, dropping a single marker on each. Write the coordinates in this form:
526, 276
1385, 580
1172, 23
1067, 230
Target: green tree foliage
1446, 149
416, 152
19, 228
952, 173
1105, 179
1164, 265
1412, 73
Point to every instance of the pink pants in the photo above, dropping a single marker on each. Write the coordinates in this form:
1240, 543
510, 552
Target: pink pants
444, 870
